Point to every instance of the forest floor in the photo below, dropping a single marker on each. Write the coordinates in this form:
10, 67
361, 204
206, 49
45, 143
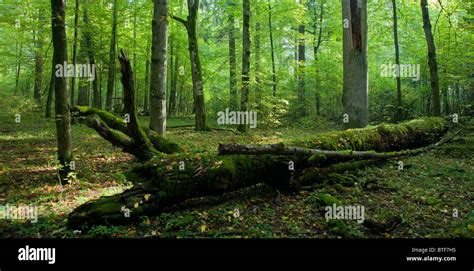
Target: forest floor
426, 194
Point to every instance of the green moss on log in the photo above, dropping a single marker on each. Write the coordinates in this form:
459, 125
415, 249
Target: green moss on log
159, 143
382, 138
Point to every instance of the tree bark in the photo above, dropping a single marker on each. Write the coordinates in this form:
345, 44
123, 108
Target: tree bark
355, 88
244, 100
135, 48
435, 104
319, 38
18, 67
147, 87
301, 71
49, 99
232, 58
272, 48
63, 120
398, 113
174, 79
139, 137
196, 70
258, 80
89, 45
118, 124
317, 43
159, 65
74, 52
39, 58
111, 76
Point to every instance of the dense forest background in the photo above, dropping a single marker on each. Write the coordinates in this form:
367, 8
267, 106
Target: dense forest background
307, 47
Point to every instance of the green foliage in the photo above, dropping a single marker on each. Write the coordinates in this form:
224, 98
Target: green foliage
272, 111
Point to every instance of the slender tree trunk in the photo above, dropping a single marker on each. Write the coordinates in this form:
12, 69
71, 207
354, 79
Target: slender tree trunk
89, 45
147, 87
435, 107
355, 89
135, 50
63, 118
101, 77
18, 68
301, 71
174, 79
318, 103
83, 93
159, 65
272, 47
398, 115
317, 43
232, 59
319, 39
196, 70
258, 81
39, 58
74, 51
49, 99
111, 76
244, 100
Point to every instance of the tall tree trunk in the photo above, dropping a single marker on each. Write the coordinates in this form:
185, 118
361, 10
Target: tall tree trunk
435, 105
89, 45
49, 99
63, 118
317, 43
272, 47
398, 115
39, 58
111, 76
232, 58
258, 80
196, 70
301, 70
244, 100
134, 63
147, 87
159, 62
18, 67
318, 103
74, 51
174, 78
355, 89
101, 77
319, 38
83, 93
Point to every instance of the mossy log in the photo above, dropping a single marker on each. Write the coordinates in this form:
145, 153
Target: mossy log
139, 141
381, 138
167, 184
118, 123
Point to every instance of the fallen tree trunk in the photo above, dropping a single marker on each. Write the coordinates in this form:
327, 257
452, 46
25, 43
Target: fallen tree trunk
169, 185
116, 123
381, 138
318, 157
276, 165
